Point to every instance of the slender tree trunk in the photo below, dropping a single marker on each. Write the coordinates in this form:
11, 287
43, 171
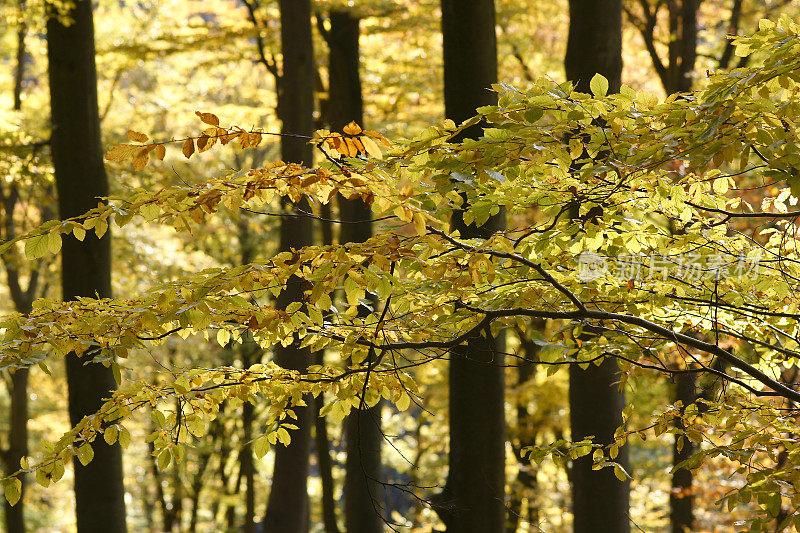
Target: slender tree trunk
596, 409
681, 498
687, 46
322, 448
287, 506
321, 441
526, 483
362, 502
473, 497
248, 469
17, 445
197, 487
14, 516
600, 501
250, 354
19, 69
85, 266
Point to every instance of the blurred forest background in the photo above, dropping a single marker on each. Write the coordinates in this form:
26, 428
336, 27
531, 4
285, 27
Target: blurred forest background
160, 60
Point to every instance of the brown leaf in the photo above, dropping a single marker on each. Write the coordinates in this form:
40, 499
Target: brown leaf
352, 129
135, 136
208, 118
140, 159
121, 152
188, 148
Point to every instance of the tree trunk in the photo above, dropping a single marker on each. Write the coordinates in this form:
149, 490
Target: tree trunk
14, 515
85, 266
362, 428
681, 498
287, 506
322, 448
600, 501
250, 353
473, 497
248, 467
19, 69
17, 445
594, 44
527, 482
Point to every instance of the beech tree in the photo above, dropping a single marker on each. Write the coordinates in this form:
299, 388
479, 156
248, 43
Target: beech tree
594, 46
606, 202
287, 508
86, 263
474, 496
363, 507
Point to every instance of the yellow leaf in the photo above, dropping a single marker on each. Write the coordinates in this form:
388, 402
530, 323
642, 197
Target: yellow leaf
188, 148
54, 243
208, 118
85, 454
419, 224
140, 159
135, 136
372, 148
121, 152
260, 447
403, 402
79, 232
164, 459
42, 478
110, 435
352, 129
161, 151
37, 246
13, 490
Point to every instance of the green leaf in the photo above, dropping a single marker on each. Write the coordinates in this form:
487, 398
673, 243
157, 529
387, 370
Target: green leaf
13, 490
37, 246
85, 453
164, 459
599, 85
110, 435
54, 243
260, 446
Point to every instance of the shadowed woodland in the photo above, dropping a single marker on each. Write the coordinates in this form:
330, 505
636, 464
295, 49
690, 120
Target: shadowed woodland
470, 266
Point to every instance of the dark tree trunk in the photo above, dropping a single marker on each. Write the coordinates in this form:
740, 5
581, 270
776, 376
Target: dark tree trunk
17, 445
681, 498
600, 501
248, 468
250, 353
14, 515
594, 44
362, 428
287, 507
85, 266
322, 445
675, 72
473, 497
527, 483
19, 69
322, 449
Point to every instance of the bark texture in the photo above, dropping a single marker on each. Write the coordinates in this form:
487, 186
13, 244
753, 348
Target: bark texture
287, 506
473, 497
600, 501
362, 428
85, 266
681, 499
